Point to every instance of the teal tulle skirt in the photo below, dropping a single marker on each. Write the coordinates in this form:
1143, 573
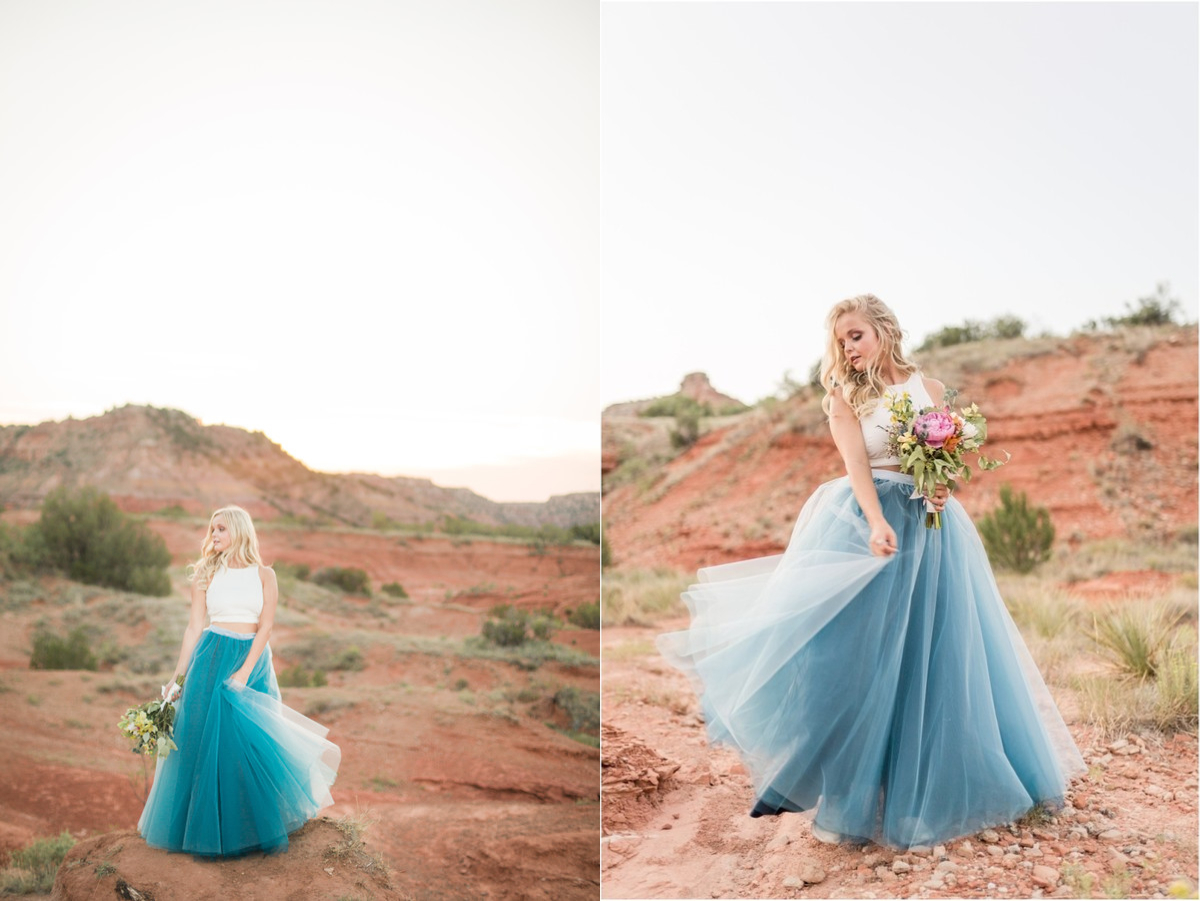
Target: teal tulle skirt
892, 697
248, 770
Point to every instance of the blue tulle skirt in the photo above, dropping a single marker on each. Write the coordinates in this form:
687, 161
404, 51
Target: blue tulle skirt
248, 770
893, 697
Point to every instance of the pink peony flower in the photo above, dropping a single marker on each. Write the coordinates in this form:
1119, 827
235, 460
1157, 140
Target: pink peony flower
933, 428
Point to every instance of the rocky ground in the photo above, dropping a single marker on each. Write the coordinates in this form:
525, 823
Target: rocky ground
675, 815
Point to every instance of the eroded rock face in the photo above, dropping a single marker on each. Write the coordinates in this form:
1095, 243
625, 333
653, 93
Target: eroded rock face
633, 778
1102, 432
322, 862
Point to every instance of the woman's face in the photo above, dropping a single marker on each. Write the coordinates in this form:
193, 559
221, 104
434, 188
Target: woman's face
857, 339
221, 538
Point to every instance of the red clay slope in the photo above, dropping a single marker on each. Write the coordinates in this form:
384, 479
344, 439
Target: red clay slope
1102, 430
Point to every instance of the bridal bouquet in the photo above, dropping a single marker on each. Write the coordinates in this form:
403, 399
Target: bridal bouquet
150, 726
931, 444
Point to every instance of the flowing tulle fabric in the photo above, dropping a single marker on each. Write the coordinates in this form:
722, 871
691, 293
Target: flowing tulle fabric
248, 770
893, 696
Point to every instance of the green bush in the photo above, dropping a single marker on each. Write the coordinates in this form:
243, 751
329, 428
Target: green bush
394, 589
972, 330
583, 710
1017, 536
687, 428
586, 616
346, 579
299, 677
506, 626
586, 532
85, 536
1157, 309
509, 627
52, 652
31, 869
298, 571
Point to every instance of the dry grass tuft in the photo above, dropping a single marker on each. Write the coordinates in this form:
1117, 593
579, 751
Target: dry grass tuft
641, 597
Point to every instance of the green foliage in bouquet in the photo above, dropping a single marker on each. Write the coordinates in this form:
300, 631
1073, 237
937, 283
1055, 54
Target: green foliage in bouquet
1016, 535
150, 726
84, 535
931, 444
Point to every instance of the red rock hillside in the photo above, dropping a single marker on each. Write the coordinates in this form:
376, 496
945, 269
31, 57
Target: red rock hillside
148, 458
1102, 430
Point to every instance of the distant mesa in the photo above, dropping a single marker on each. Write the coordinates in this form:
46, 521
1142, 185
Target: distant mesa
149, 459
695, 386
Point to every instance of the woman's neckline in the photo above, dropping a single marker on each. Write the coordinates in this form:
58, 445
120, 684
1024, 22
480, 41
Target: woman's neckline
905, 382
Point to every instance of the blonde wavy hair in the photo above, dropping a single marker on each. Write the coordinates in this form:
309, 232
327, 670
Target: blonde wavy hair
242, 550
861, 390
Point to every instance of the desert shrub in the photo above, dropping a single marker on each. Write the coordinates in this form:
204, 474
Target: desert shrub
1017, 536
326, 652
1177, 701
687, 428
1159, 308
299, 677
674, 404
585, 616
297, 571
395, 590
1135, 637
12, 552
972, 330
31, 869
508, 627
581, 707
589, 531
72, 652
85, 536
346, 579
640, 597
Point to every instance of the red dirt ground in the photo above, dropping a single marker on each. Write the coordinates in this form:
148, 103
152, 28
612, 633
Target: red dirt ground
471, 793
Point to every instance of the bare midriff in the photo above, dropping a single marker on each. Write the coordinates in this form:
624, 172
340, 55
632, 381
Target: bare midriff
890, 467
245, 628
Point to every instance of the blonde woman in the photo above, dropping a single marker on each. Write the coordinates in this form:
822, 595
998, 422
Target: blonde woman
871, 673
248, 771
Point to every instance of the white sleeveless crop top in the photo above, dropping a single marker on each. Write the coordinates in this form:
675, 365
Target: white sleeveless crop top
875, 422
235, 596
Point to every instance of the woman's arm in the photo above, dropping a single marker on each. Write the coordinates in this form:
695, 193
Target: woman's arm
191, 634
266, 620
847, 435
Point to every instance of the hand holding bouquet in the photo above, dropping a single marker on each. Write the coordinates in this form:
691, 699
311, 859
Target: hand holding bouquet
151, 725
931, 443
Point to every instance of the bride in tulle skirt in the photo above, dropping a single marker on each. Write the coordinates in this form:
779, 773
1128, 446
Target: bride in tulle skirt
871, 673
248, 770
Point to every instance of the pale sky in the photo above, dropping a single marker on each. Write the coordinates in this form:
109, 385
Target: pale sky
369, 229
763, 161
